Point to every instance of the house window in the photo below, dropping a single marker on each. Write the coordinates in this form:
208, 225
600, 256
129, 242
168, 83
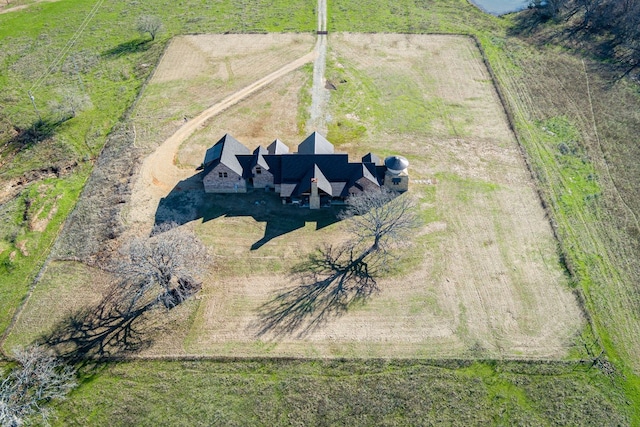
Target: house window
219, 174
222, 174
258, 170
396, 181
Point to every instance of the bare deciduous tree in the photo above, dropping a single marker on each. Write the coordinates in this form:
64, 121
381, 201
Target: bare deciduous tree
149, 24
39, 378
336, 278
379, 219
611, 27
163, 268
71, 102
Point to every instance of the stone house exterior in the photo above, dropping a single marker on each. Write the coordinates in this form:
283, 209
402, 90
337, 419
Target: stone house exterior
314, 175
223, 172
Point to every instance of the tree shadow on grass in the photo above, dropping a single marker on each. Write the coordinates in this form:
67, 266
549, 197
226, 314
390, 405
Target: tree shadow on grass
187, 202
332, 281
39, 131
131, 46
102, 331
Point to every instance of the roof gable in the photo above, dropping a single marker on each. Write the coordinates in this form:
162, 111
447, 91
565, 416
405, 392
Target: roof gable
371, 158
258, 158
314, 174
277, 147
315, 144
225, 152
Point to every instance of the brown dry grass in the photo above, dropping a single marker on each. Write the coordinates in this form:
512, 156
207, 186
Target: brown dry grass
198, 71
481, 279
67, 287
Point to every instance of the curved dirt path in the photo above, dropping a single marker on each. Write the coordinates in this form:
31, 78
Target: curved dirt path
159, 173
22, 6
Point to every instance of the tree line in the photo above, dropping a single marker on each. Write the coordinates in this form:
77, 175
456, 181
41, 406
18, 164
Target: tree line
613, 26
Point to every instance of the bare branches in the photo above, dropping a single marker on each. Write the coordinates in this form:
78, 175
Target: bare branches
39, 378
380, 219
331, 281
335, 278
149, 24
162, 268
109, 329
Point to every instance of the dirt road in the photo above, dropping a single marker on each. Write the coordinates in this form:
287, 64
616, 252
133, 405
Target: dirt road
6, 9
319, 94
159, 173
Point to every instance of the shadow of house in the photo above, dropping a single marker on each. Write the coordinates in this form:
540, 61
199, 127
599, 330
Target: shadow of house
188, 202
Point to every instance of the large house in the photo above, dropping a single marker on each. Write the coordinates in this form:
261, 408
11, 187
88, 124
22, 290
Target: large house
315, 174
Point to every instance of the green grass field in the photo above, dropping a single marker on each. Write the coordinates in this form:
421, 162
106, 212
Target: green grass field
107, 63
576, 139
343, 392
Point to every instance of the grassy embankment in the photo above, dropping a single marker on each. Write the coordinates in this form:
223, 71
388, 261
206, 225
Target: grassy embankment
101, 74
577, 131
342, 392
486, 395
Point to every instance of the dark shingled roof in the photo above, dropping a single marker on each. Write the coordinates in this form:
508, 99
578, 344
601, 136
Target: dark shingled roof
372, 158
369, 172
303, 185
225, 152
314, 173
258, 158
293, 167
277, 147
248, 161
293, 172
315, 144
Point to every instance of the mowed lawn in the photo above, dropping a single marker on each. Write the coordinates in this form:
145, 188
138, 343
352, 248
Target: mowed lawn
480, 278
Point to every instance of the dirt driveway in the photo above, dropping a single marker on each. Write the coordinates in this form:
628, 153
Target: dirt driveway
481, 279
159, 172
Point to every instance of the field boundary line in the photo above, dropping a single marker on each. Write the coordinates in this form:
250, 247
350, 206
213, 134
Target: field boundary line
447, 363
34, 282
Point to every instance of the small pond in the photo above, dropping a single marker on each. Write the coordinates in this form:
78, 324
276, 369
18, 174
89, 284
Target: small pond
500, 7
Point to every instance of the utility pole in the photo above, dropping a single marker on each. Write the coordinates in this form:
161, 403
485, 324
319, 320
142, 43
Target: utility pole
33, 101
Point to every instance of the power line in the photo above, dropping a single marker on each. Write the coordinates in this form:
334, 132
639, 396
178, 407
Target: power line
72, 41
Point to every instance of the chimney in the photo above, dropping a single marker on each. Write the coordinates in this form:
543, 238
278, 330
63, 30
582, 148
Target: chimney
314, 198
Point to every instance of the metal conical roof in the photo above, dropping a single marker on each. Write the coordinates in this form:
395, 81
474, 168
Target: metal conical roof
396, 163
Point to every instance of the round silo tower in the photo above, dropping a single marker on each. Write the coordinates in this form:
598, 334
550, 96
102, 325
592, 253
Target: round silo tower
396, 177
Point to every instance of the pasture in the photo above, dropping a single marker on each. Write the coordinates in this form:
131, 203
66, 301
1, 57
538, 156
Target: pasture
575, 123
481, 278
